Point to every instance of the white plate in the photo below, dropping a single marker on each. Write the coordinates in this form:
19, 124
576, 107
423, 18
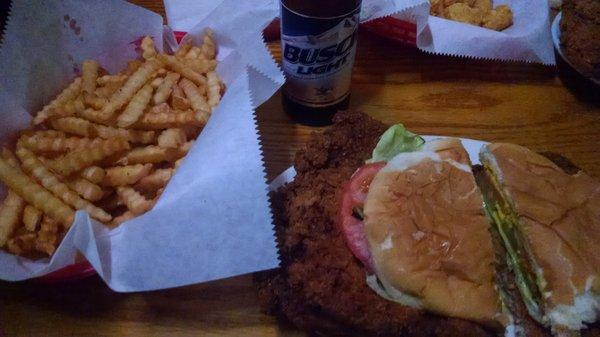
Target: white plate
471, 145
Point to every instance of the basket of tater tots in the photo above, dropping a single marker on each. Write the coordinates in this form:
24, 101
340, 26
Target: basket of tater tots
125, 151
510, 30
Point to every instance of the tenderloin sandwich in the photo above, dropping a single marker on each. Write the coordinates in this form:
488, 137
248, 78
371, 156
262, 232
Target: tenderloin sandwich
382, 234
550, 224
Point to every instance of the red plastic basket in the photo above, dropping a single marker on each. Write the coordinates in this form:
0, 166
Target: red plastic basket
73, 272
387, 27
396, 30
84, 269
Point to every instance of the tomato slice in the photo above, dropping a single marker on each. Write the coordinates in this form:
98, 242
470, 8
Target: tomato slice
354, 194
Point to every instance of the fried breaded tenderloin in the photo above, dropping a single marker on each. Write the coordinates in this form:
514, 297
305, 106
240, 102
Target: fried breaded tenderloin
321, 285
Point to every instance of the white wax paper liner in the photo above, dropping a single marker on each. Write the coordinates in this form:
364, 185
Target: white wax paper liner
528, 39
213, 220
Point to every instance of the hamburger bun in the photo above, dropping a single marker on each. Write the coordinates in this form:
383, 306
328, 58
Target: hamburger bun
429, 236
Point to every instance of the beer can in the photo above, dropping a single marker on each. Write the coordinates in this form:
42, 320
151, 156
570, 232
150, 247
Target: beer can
318, 46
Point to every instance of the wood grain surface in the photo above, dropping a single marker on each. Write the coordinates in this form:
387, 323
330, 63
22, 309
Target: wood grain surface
511, 102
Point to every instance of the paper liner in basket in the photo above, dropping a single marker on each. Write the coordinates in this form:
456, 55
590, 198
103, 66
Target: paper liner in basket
528, 39
213, 219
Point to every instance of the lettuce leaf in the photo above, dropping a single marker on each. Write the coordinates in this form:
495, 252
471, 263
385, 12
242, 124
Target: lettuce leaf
505, 221
395, 140
525, 280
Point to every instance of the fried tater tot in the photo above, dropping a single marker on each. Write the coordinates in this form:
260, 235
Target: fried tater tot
499, 18
463, 13
484, 5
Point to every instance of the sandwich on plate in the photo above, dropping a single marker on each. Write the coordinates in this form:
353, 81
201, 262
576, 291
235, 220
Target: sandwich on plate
384, 234
426, 235
549, 222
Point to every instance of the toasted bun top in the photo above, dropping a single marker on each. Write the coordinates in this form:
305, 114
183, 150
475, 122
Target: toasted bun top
559, 217
429, 235
448, 148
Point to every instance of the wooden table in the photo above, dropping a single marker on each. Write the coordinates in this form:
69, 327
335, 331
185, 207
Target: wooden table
493, 101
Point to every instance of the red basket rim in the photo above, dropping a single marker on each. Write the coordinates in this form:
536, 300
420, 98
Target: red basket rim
73, 272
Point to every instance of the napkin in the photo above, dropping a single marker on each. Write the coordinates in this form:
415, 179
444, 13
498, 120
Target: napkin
213, 219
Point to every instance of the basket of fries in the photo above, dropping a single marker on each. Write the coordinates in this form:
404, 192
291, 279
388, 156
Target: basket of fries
91, 91
101, 173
